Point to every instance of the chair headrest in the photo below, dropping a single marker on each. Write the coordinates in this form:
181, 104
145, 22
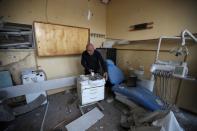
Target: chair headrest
109, 62
116, 76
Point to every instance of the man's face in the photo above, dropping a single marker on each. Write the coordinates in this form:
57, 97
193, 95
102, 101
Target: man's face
90, 50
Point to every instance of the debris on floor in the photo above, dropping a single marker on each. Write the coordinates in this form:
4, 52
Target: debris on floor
125, 101
169, 123
43, 120
139, 119
6, 113
63, 109
29, 107
147, 128
110, 100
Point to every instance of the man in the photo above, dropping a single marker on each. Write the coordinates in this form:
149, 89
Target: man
92, 60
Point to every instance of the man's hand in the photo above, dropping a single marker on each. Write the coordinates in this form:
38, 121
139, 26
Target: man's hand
90, 70
105, 75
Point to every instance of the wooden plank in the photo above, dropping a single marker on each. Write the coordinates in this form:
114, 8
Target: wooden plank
55, 40
20, 90
85, 121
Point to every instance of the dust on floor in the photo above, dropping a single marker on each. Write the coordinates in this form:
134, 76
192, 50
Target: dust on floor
63, 108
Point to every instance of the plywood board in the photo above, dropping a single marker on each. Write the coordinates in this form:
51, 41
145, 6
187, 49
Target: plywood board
56, 40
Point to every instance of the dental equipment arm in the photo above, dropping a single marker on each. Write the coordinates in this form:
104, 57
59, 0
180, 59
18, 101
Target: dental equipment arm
183, 38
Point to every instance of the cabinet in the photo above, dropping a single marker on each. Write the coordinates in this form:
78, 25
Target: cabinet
90, 89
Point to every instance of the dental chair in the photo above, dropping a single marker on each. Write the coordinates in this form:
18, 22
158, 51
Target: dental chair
139, 95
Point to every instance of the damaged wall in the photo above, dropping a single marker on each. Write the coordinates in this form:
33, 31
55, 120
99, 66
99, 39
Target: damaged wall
170, 17
66, 12
16, 60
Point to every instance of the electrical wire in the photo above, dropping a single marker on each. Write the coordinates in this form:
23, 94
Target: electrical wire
170, 87
42, 125
160, 89
155, 85
164, 87
167, 88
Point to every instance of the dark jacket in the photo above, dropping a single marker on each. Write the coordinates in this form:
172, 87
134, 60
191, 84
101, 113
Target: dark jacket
93, 62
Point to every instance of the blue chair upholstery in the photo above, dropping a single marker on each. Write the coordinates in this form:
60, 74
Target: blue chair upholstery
139, 95
116, 76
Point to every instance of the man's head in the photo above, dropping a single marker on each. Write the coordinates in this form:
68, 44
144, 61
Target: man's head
90, 48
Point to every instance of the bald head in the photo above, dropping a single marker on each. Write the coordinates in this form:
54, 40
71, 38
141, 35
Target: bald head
90, 48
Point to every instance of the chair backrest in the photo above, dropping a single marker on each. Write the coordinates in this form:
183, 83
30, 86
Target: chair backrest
116, 76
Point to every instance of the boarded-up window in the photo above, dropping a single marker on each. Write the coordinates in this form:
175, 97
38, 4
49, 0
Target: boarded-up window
55, 40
